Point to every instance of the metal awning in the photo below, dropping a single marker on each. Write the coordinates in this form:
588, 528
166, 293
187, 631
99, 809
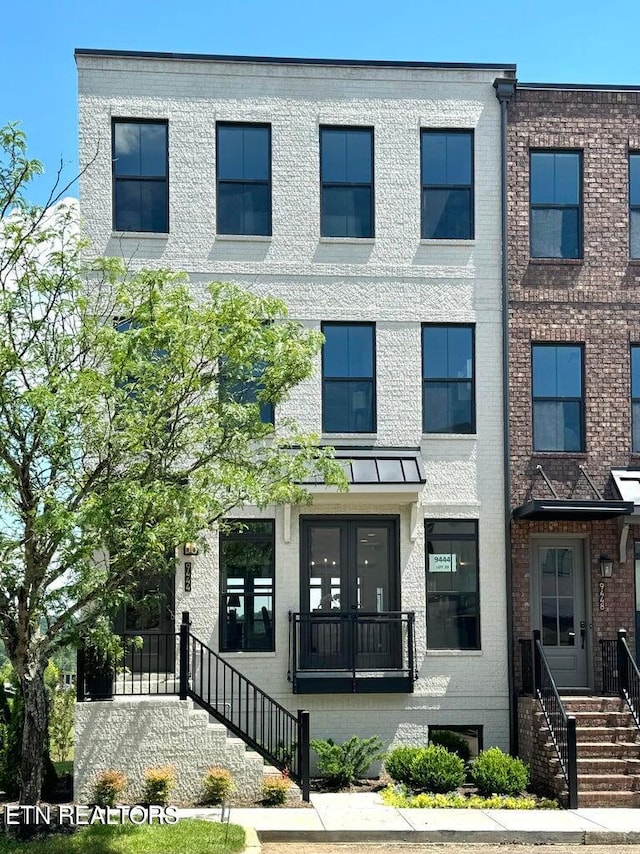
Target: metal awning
627, 483
379, 467
572, 508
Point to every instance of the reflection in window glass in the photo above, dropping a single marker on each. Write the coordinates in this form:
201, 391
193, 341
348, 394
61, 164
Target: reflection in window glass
448, 389
348, 387
556, 204
140, 176
557, 397
243, 168
346, 177
447, 184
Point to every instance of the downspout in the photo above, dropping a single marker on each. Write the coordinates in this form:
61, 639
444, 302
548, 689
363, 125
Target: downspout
505, 91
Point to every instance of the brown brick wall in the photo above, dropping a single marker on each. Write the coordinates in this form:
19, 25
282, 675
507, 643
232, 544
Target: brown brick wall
594, 301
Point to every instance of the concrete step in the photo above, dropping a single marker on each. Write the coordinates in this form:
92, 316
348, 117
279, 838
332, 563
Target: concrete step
616, 734
593, 704
608, 749
603, 719
608, 799
608, 765
607, 782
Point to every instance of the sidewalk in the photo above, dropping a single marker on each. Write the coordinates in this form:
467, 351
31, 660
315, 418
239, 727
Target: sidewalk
362, 817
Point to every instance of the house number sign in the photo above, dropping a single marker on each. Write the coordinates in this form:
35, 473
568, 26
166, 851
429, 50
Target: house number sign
187, 576
601, 606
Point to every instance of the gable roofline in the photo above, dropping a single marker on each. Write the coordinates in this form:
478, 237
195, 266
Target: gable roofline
285, 60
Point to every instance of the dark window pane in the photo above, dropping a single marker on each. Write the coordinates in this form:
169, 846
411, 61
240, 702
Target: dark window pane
635, 372
348, 406
569, 371
636, 427
449, 528
447, 352
458, 158
140, 149
557, 371
244, 208
446, 214
452, 621
557, 425
246, 606
126, 148
544, 366
153, 150
634, 179
348, 351
256, 154
448, 407
243, 153
230, 152
346, 156
555, 233
346, 212
141, 206
434, 158
635, 234
549, 621
446, 158
542, 178
230, 208
555, 178
334, 156
359, 164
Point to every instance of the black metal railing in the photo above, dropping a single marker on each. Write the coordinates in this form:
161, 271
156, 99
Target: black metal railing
144, 664
609, 656
562, 727
526, 665
244, 708
628, 676
352, 642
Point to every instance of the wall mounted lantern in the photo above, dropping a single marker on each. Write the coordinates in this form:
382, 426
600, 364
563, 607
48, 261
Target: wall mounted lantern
606, 566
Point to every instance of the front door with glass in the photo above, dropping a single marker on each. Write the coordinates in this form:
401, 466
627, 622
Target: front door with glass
349, 575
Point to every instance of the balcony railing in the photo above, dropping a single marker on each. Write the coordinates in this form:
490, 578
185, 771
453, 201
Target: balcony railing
351, 651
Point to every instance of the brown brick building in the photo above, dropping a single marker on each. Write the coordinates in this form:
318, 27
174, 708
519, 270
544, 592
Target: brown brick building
574, 361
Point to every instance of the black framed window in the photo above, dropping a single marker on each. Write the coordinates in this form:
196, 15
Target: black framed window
243, 165
247, 582
634, 205
558, 397
346, 179
448, 399
635, 399
447, 184
140, 175
348, 378
453, 597
556, 204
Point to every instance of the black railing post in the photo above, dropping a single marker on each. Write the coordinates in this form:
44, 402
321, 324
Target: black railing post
80, 672
623, 674
184, 655
537, 662
411, 661
303, 752
572, 762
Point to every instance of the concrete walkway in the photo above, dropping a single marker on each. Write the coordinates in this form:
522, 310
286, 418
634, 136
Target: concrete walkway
363, 817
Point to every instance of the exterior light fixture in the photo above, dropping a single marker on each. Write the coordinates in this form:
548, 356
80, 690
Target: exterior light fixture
606, 566
190, 549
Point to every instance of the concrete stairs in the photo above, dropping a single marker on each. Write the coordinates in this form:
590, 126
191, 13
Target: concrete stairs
608, 750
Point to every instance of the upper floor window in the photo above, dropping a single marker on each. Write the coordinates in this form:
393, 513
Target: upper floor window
346, 177
635, 398
348, 378
558, 402
634, 205
447, 184
247, 580
243, 161
447, 379
140, 175
556, 204
453, 598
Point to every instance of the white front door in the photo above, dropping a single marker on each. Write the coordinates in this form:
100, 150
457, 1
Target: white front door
559, 609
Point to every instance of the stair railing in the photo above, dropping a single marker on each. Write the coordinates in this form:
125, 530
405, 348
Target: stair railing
628, 677
562, 727
244, 708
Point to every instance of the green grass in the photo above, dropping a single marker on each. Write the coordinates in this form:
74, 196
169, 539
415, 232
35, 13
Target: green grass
188, 836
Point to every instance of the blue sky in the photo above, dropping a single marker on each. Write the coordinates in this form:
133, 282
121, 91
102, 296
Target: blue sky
569, 41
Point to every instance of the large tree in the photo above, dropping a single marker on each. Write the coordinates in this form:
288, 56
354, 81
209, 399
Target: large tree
126, 424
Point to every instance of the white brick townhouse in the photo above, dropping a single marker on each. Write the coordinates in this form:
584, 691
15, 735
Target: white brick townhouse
367, 196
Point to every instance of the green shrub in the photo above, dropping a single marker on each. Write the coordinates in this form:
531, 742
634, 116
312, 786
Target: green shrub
453, 800
497, 773
61, 723
342, 764
107, 787
218, 784
431, 768
452, 741
158, 783
274, 790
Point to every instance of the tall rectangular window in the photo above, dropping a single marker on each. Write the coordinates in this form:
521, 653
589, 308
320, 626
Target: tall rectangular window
558, 401
346, 177
556, 204
140, 175
635, 399
247, 578
348, 378
448, 400
243, 164
453, 598
447, 184
634, 205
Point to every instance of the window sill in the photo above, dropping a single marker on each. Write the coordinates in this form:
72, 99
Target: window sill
358, 241
138, 235
440, 436
352, 437
563, 455
634, 262
433, 241
250, 654
552, 262
245, 238
456, 653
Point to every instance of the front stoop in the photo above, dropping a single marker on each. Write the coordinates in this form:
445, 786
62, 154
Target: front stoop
133, 734
608, 749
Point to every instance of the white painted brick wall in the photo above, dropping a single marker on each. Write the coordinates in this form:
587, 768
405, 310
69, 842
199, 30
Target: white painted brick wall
396, 281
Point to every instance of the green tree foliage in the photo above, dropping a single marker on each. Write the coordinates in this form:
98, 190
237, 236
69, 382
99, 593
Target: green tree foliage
117, 439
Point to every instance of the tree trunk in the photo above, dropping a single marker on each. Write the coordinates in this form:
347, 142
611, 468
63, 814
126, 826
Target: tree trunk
34, 733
